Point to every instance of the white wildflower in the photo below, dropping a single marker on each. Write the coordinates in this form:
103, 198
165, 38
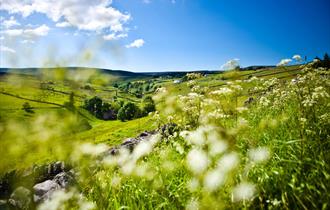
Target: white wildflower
259, 155
217, 147
243, 191
241, 109
93, 149
197, 161
222, 91
228, 162
213, 180
193, 204
193, 184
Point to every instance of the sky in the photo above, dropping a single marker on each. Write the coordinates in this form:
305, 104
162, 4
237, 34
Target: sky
161, 35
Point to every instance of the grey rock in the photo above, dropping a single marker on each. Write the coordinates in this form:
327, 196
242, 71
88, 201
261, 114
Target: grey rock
144, 134
44, 190
20, 198
64, 179
56, 168
248, 101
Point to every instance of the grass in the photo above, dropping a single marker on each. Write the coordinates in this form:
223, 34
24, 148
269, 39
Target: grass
271, 156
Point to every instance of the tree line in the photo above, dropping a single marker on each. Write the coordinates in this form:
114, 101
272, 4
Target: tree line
118, 109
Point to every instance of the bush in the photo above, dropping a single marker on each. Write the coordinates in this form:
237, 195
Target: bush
128, 112
27, 107
148, 105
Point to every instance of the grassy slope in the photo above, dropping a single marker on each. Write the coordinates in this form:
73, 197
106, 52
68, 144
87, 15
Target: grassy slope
111, 132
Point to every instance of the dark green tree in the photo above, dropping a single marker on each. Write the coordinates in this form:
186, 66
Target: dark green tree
326, 61
94, 105
128, 112
148, 105
27, 107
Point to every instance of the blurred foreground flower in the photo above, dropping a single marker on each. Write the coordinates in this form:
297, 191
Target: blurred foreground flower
243, 191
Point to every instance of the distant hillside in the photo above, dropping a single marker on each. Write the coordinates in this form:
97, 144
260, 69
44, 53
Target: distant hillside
35, 71
118, 73
248, 68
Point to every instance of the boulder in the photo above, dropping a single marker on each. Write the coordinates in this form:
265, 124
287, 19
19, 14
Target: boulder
20, 198
248, 101
44, 190
56, 168
168, 129
144, 134
64, 179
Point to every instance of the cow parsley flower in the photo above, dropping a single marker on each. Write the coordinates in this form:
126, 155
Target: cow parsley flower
197, 161
259, 155
243, 191
213, 180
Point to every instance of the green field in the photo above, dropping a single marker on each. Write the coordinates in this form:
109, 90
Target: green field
221, 153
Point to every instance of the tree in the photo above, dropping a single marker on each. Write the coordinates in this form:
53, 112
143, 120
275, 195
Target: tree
27, 107
94, 105
326, 61
148, 105
70, 104
128, 112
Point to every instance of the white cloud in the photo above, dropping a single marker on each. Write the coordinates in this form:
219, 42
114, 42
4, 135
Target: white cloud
30, 32
13, 32
17, 6
93, 15
63, 24
231, 64
284, 62
297, 58
2, 37
136, 44
146, 1
7, 49
39, 31
27, 41
10, 22
114, 36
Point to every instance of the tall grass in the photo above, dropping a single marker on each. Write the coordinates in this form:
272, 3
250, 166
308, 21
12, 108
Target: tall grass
215, 153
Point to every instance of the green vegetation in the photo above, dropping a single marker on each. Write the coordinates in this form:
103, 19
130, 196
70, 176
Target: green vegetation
256, 139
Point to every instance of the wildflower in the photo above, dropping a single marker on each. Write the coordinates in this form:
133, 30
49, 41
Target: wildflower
241, 109
303, 120
192, 205
197, 161
193, 184
92, 149
144, 147
228, 162
115, 181
243, 191
222, 91
213, 180
217, 147
264, 101
197, 137
259, 155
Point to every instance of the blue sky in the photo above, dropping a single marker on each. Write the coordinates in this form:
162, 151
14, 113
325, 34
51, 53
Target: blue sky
161, 35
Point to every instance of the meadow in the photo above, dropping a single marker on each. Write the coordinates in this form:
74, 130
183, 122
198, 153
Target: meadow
252, 139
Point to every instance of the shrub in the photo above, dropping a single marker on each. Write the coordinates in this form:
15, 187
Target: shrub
148, 105
128, 112
27, 107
